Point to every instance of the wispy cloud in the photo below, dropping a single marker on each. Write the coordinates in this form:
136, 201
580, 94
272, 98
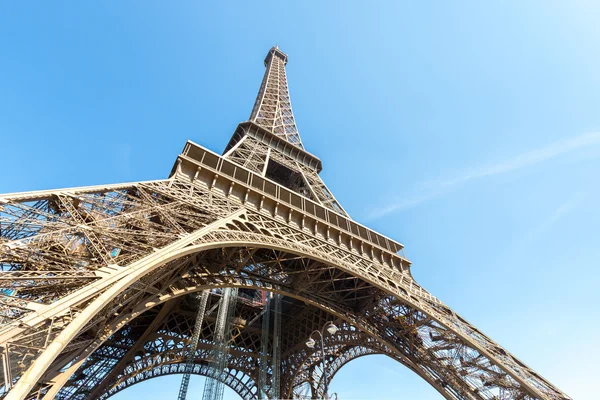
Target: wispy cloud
564, 208
530, 158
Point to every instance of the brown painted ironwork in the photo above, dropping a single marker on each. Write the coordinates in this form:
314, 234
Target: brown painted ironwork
97, 283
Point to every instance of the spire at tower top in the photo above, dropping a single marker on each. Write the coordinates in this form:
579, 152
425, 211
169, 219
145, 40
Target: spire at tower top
274, 51
273, 108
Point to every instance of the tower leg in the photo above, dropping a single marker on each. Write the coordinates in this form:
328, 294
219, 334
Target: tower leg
185, 381
120, 281
276, 361
213, 388
264, 356
270, 347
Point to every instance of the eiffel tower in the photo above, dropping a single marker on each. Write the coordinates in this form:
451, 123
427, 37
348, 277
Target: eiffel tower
224, 269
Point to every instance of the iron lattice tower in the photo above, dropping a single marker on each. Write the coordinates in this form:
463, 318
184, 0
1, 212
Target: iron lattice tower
98, 285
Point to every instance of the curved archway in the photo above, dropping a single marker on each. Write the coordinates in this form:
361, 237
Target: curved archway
407, 320
247, 281
312, 377
346, 335
236, 381
166, 385
378, 376
345, 346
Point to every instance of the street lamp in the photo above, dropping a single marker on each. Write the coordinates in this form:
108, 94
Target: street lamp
331, 328
310, 343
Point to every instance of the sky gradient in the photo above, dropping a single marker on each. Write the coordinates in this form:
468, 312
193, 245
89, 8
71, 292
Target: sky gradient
469, 131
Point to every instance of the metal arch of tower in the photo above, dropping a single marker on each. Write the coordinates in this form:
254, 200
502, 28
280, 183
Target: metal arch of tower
88, 277
229, 378
346, 345
165, 352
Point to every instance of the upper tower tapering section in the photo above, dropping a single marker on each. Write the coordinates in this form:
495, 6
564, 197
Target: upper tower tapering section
273, 108
274, 51
269, 144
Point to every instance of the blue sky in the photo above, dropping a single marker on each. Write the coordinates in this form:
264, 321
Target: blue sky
469, 131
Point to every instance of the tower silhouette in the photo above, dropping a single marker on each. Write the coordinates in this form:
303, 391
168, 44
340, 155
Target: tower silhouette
224, 269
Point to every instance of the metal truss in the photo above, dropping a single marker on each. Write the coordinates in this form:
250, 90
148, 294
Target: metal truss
273, 107
193, 346
213, 389
96, 283
252, 151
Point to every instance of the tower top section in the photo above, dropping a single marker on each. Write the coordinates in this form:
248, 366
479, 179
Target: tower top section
273, 109
275, 52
